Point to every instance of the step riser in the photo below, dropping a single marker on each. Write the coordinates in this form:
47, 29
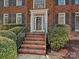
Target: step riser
32, 39
34, 43
31, 36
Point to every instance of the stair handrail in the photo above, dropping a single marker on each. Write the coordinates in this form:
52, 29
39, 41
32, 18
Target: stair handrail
45, 42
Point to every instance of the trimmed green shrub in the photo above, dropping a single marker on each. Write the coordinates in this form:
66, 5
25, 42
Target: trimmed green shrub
58, 37
7, 48
9, 26
16, 30
8, 34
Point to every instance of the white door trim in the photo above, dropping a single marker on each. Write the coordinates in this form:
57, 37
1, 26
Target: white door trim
39, 11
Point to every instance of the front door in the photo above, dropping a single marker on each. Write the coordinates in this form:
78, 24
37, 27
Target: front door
38, 24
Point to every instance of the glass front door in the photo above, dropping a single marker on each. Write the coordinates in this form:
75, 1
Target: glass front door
38, 23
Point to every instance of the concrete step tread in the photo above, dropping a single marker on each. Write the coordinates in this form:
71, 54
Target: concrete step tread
34, 42
32, 51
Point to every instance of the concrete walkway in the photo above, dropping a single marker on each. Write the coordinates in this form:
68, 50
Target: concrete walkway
28, 56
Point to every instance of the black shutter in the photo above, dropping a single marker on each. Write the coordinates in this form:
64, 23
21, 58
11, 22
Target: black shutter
72, 1
23, 18
23, 2
67, 18
1, 3
56, 19
56, 2
67, 2
73, 21
1, 19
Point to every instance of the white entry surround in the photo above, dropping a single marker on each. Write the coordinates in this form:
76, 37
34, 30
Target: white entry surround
38, 12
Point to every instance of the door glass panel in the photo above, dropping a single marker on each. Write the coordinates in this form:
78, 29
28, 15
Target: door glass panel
38, 23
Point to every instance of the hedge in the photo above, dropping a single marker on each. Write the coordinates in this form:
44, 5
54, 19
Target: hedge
8, 34
7, 48
58, 37
8, 26
16, 30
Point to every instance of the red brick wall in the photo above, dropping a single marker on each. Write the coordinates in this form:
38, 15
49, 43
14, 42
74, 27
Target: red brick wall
50, 5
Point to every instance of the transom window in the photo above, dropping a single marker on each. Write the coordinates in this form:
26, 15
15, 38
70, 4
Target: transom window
61, 2
61, 18
76, 1
38, 3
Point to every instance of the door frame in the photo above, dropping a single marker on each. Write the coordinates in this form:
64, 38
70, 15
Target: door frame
34, 24
39, 11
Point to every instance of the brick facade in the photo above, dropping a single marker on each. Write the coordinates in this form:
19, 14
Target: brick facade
53, 9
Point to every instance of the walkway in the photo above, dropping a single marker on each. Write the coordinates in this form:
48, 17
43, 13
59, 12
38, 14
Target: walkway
28, 56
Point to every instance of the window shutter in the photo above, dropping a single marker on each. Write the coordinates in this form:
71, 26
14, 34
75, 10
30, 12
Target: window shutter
1, 3
56, 2
72, 1
1, 19
73, 21
23, 2
56, 19
23, 18
67, 18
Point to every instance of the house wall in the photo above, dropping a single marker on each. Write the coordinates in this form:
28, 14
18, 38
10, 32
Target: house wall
53, 9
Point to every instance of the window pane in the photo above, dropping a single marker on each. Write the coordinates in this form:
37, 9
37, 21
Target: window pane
39, 3
61, 19
19, 3
76, 1
12, 2
6, 3
19, 18
12, 18
6, 18
61, 2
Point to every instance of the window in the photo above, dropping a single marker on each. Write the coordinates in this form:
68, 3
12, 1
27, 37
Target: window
61, 18
38, 3
61, 2
19, 2
12, 2
6, 3
76, 1
19, 18
12, 18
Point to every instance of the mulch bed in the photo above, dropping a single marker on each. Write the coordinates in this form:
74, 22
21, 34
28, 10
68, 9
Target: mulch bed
71, 50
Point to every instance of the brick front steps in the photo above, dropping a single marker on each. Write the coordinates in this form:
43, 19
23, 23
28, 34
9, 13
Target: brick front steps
34, 43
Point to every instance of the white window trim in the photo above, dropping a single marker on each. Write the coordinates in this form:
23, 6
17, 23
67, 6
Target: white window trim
5, 3
59, 17
4, 18
63, 3
17, 16
17, 3
75, 20
34, 3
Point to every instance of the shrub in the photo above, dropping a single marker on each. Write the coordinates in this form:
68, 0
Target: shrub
58, 37
8, 34
7, 48
16, 30
8, 26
